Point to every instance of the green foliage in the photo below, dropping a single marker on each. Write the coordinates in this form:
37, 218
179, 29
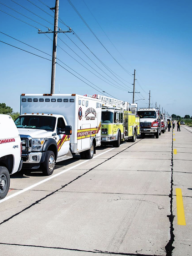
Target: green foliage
173, 116
5, 109
187, 116
8, 111
15, 115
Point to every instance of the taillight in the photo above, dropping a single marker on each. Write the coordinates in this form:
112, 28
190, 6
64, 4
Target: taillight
20, 149
154, 124
162, 124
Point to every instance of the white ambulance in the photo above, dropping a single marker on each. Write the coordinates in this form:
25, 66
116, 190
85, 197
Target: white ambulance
10, 152
54, 127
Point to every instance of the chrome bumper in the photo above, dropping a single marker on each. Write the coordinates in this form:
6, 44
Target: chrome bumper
108, 138
149, 130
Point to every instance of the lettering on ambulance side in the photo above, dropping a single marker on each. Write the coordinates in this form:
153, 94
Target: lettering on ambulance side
86, 133
7, 141
62, 141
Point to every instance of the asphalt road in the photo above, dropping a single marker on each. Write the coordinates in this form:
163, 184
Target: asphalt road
122, 202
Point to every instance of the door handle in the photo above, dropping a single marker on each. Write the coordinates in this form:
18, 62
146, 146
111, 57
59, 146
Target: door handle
16, 146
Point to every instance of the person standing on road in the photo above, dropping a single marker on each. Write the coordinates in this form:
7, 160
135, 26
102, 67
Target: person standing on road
178, 126
169, 125
173, 124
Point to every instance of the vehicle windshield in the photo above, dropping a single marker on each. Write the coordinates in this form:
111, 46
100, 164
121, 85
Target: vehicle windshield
36, 122
107, 117
147, 114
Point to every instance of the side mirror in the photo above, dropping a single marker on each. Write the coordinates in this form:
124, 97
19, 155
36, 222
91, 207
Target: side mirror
67, 130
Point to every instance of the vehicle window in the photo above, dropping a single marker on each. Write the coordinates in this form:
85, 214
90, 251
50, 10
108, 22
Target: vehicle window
61, 123
107, 117
147, 114
117, 118
36, 122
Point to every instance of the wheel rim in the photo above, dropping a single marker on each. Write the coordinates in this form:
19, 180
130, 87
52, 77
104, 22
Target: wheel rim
92, 150
51, 162
3, 183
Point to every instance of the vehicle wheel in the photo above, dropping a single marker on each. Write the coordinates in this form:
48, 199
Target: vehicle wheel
49, 164
134, 137
83, 155
89, 153
157, 135
163, 131
142, 135
4, 182
118, 142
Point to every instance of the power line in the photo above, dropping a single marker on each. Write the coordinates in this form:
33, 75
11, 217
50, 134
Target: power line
40, 8
113, 73
78, 78
57, 63
25, 43
104, 32
81, 63
96, 36
85, 66
82, 76
19, 19
43, 3
31, 12
24, 15
86, 62
25, 51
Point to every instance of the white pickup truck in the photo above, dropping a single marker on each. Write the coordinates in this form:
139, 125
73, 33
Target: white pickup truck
10, 152
54, 127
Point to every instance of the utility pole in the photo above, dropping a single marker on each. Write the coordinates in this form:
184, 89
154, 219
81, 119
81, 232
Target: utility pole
134, 87
149, 99
54, 53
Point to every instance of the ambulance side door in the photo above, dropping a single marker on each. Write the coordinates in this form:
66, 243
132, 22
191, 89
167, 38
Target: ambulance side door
62, 139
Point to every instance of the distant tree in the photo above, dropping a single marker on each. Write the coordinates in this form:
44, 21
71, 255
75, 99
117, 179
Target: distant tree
8, 111
15, 115
187, 116
5, 109
173, 116
178, 117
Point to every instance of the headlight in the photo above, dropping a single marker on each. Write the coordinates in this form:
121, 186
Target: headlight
37, 144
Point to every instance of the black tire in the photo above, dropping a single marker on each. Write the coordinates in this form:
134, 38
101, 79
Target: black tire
89, 153
118, 142
49, 163
134, 137
4, 182
83, 155
157, 135
142, 135
163, 131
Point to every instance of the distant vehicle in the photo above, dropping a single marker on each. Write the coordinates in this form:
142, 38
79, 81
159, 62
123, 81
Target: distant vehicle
55, 127
10, 152
182, 122
163, 127
150, 122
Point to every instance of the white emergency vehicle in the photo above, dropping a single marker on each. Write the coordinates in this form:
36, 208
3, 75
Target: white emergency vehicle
10, 152
54, 127
150, 121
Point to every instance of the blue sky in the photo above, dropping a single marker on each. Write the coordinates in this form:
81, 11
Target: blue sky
152, 36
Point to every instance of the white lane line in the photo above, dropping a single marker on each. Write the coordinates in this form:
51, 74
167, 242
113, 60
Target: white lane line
50, 178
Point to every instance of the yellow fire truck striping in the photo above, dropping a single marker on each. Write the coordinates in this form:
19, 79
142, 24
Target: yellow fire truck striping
180, 208
174, 139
